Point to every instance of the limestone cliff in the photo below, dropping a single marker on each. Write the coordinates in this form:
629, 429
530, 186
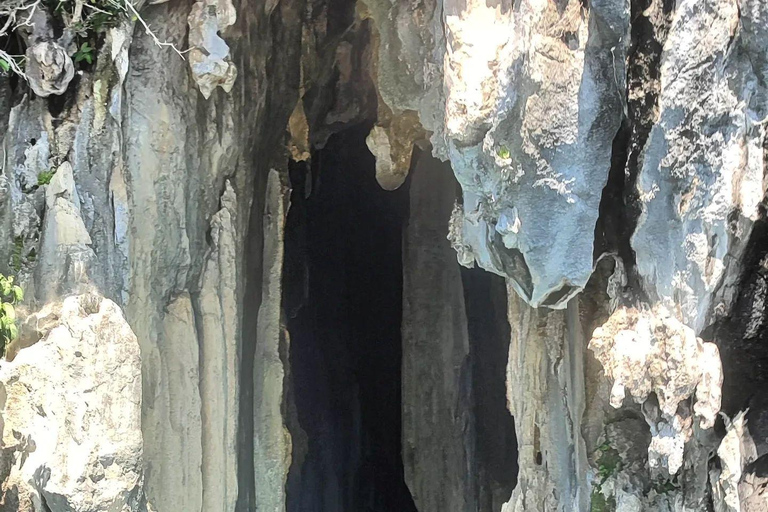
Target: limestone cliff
385, 255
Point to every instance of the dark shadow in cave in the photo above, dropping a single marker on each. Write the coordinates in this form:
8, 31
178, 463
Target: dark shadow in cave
742, 334
485, 300
343, 305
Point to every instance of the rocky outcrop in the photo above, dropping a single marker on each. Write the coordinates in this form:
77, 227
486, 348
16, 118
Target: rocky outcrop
703, 166
436, 402
646, 352
209, 57
545, 393
71, 413
272, 441
607, 159
50, 69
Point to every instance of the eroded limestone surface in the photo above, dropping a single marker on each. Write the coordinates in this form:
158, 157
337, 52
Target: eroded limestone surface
71, 413
622, 137
646, 352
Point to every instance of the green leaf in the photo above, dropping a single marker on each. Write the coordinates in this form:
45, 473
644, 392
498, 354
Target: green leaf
85, 53
13, 331
6, 287
18, 293
8, 310
4, 65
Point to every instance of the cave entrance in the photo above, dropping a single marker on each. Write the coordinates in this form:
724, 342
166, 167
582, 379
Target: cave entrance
343, 309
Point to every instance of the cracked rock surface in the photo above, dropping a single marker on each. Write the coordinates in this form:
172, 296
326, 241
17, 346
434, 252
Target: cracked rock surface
598, 167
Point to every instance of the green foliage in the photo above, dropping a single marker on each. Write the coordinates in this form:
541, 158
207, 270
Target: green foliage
12, 63
45, 177
10, 295
599, 503
16, 254
96, 16
609, 462
503, 152
85, 53
83, 36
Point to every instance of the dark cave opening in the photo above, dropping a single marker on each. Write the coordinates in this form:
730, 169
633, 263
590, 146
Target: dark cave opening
343, 308
485, 300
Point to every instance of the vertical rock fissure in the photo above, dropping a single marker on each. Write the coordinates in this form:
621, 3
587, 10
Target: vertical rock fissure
251, 302
742, 336
619, 205
343, 308
485, 300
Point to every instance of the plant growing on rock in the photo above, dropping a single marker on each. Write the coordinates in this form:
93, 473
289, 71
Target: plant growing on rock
503, 153
10, 295
48, 62
45, 177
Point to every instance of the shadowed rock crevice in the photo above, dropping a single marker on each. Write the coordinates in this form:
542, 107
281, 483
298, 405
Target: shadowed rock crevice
620, 205
742, 334
485, 299
343, 302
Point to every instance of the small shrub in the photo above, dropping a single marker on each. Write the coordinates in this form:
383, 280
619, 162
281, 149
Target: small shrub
503, 152
16, 254
85, 21
84, 53
45, 177
609, 462
10, 295
599, 503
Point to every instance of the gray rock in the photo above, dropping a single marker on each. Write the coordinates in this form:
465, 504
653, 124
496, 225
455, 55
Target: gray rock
272, 445
71, 414
49, 68
209, 58
435, 352
702, 176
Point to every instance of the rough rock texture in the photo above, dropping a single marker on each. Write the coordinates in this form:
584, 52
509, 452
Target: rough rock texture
436, 408
272, 441
533, 98
139, 209
71, 413
545, 386
703, 167
606, 158
50, 69
209, 58
646, 352
458, 436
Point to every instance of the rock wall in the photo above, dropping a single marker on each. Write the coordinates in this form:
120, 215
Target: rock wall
71, 412
607, 159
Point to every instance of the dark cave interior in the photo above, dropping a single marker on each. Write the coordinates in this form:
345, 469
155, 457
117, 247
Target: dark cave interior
343, 306
485, 299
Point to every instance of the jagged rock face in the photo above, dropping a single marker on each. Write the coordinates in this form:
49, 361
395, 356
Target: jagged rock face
148, 207
50, 69
703, 167
646, 352
533, 98
71, 413
609, 162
